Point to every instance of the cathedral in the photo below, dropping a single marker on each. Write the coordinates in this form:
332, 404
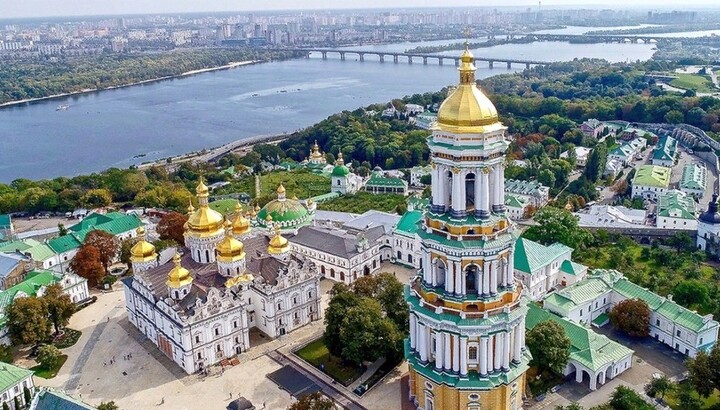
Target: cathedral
466, 348
197, 304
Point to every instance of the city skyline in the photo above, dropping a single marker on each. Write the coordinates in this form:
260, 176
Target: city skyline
45, 8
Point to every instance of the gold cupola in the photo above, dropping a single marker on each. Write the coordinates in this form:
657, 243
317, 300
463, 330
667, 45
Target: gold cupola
278, 244
467, 110
315, 152
230, 249
178, 276
241, 225
142, 251
204, 221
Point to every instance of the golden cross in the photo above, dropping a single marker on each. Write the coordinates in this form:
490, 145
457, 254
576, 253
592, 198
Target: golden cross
467, 35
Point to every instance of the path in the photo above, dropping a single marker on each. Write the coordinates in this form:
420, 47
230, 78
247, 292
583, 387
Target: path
367, 373
84, 355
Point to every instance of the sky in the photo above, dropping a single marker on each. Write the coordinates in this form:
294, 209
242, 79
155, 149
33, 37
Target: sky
42, 8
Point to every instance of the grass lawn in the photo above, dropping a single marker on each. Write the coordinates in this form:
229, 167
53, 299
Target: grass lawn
362, 202
698, 83
317, 354
300, 183
714, 399
49, 373
67, 339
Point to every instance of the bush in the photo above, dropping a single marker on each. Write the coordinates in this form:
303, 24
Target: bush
48, 356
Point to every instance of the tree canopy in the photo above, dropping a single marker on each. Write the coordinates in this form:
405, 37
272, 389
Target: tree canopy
632, 316
549, 345
557, 225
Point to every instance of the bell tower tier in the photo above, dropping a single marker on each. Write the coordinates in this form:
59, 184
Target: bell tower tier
467, 312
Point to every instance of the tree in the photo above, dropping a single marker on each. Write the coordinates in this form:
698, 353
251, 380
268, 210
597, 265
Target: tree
595, 165
110, 405
107, 245
97, 198
62, 230
632, 316
366, 334
557, 225
386, 289
16, 403
315, 401
27, 395
48, 356
549, 345
59, 306
686, 399
624, 398
691, 292
701, 373
27, 320
86, 263
341, 299
674, 117
659, 386
172, 226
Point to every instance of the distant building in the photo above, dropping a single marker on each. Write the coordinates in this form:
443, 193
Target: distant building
49, 399
416, 174
13, 268
694, 180
612, 168
423, 120
590, 301
650, 181
412, 109
42, 255
581, 156
590, 353
626, 152
608, 216
592, 128
7, 229
517, 207
676, 210
542, 268
406, 244
708, 229
13, 383
342, 180
532, 191
665, 152
381, 184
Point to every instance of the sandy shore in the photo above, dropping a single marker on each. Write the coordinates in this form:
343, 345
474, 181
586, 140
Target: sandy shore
91, 90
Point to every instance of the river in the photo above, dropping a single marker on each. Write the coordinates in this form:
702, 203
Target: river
121, 127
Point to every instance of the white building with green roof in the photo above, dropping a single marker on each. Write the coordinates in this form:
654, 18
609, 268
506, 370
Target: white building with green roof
694, 179
406, 244
378, 183
650, 181
13, 382
591, 354
676, 210
591, 299
542, 268
516, 206
665, 152
532, 191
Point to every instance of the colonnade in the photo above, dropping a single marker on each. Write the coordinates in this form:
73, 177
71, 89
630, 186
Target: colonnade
450, 189
455, 353
491, 275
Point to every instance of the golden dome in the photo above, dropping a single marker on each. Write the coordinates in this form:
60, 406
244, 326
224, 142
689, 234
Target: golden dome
467, 109
202, 189
315, 152
190, 208
178, 276
203, 221
278, 244
230, 249
244, 278
142, 251
241, 225
281, 189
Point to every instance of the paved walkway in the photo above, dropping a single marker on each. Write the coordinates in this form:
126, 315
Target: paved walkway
83, 357
367, 374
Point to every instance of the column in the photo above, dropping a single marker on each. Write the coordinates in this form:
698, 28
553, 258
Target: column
447, 361
502, 264
511, 269
478, 191
484, 194
458, 278
413, 336
602, 378
462, 206
593, 382
517, 354
423, 347
456, 353
427, 268
438, 351
483, 356
499, 340
449, 276
437, 198
463, 356
501, 186
486, 278
491, 353
494, 277
578, 375
498, 195
433, 276
456, 199
463, 279
506, 352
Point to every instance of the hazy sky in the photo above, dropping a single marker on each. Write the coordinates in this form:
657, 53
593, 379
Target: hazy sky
36, 8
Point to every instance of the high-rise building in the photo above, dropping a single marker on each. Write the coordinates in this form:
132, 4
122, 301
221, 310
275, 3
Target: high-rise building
466, 348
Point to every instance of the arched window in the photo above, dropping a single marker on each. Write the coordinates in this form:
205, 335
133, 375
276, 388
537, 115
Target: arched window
472, 279
439, 272
470, 191
207, 255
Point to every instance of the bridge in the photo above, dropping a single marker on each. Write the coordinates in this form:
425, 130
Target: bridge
412, 57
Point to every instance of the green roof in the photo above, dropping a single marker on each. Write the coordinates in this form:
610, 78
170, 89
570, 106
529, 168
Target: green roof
5, 221
325, 197
572, 268
588, 348
601, 320
514, 202
676, 204
408, 224
652, 175
289, 212
665, 149
340, 171
113, 223
40, 252
21, 246
55, 400
694, 177
33, 282
12, 375
381, 181
531, 256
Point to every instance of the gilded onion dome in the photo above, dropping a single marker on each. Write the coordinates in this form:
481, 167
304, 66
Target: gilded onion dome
278, 244
204, 221
315, 152
230, 249
241, 225
142, 251
178, 276
467, 109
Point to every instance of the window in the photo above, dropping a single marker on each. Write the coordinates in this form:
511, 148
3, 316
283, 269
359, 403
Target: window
701, 341
197, 338
235, 324
677, 333
199, 356
657, 322
217, 331
473, 353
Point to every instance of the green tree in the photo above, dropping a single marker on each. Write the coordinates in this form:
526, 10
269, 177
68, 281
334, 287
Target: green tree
16, 403
624, 398
674, 117
27, 395
315, 401
659, 386
59, 306
632, 316
687, 399
5, 406
691, 293
27, 321
110, 405
571, 406
366, 334
595, 165
48, 356
97, 198
557, 225
549, 345
701, 373
386, 289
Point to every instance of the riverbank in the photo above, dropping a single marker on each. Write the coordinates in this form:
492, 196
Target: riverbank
149, 81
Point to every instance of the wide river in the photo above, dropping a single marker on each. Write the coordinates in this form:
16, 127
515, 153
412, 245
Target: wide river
112, 128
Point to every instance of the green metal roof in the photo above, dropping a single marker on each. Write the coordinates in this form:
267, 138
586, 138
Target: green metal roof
408, 224
113, 223
572, 268
590, 349
12, 375
694, 177
56, 400
381, 181
676, 204
665, 149
5, 221
325, 197
340, 171
601, 320
22, 246
514, 202
531, 256
40, 252
33, 282
652, 175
